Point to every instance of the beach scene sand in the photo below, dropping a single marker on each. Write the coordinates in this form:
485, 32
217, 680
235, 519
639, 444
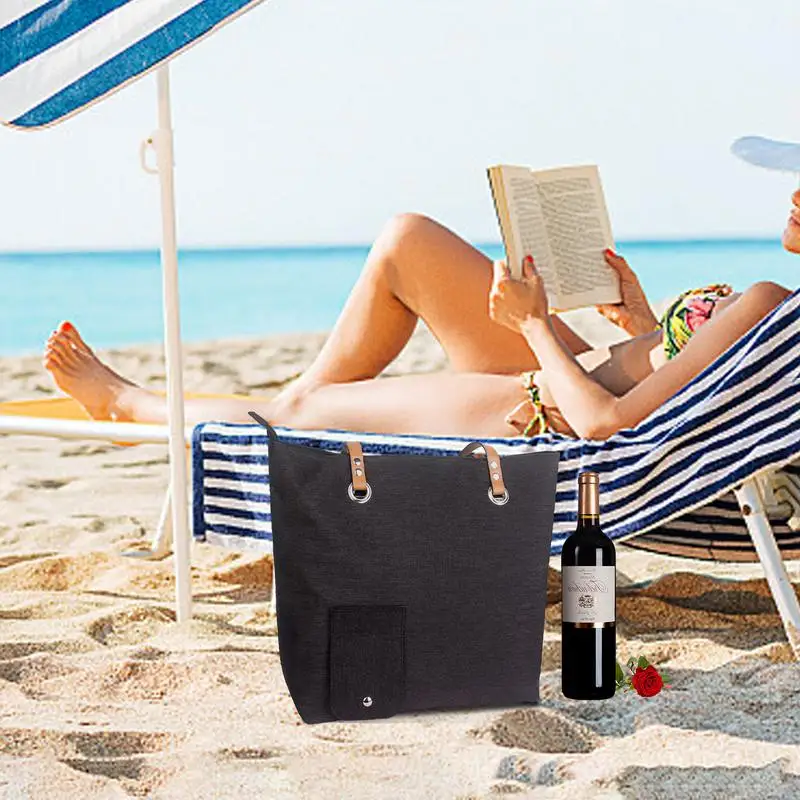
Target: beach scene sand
103, 695
302, 132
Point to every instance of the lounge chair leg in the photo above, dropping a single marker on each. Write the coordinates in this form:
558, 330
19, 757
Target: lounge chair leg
273, 603
161, 545
770, 556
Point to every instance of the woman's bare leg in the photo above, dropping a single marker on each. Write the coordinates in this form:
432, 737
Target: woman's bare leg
417, 268
470, 404
453, 404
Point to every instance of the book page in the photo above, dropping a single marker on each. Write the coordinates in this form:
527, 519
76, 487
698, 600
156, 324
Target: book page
578, 230
527, 234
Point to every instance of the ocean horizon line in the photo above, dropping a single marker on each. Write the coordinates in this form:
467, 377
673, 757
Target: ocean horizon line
700, 241
116, 296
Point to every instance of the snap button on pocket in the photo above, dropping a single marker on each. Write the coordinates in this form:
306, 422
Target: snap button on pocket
366, 654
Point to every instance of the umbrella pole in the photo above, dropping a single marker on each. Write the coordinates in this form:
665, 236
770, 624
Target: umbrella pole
174, 363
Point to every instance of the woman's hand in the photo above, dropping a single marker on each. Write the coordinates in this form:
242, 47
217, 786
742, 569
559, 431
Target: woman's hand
513, 301
633, 314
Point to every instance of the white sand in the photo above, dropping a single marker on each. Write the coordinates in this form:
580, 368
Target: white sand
103, 696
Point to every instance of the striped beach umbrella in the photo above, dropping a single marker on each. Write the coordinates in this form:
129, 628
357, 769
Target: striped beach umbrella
59, 56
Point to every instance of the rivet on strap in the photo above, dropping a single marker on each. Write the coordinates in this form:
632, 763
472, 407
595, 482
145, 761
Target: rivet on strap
358, 469
493, 463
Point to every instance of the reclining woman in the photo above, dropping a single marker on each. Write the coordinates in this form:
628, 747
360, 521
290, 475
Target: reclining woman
515, 368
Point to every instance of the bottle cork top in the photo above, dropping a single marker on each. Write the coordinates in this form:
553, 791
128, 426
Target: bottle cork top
588, 494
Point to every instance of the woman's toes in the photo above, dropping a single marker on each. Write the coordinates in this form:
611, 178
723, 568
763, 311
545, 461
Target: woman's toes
65, 356
53, 361
70, 333
58, 345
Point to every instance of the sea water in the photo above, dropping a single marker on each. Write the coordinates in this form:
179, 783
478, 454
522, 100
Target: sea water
115, 297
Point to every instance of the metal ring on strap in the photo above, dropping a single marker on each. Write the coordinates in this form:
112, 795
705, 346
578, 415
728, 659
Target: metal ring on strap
358, 473
498, 501
354, 496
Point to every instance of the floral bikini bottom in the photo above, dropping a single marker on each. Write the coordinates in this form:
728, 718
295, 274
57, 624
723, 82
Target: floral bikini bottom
679, 322
538, 423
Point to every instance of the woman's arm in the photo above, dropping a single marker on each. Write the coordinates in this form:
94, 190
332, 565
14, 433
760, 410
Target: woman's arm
585, 405
574, 342
591, 410
709, 342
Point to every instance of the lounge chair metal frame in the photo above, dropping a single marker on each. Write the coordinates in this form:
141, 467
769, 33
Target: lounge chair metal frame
751, 496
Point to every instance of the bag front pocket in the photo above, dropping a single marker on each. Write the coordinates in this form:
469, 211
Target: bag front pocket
367, 661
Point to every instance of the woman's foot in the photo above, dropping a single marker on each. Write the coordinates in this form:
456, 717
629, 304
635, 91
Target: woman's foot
293, 393
79, 372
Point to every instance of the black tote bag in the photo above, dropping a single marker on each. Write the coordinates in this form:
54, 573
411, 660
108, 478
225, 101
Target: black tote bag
409, 582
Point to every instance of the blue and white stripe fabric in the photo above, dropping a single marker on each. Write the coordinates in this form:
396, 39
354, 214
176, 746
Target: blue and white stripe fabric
59, 56
718, 531
738, 417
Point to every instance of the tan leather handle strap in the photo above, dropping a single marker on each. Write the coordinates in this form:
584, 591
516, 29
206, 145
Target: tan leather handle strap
358, 469
493, 463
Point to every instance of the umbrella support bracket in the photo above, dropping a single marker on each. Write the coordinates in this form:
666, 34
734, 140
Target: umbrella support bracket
160, 143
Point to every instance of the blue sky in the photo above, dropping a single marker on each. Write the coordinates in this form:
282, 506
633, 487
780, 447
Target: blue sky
313, 122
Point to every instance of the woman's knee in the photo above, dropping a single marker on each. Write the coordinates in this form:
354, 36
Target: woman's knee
395, 251
404, 228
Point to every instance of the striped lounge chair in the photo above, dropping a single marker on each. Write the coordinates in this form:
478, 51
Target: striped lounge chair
699, 477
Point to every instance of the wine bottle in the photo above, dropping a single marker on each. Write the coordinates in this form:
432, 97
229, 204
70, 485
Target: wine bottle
588, 607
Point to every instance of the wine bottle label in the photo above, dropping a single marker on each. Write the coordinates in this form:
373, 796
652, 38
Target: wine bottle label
588, 594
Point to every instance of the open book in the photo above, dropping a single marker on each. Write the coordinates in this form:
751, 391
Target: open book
559, 217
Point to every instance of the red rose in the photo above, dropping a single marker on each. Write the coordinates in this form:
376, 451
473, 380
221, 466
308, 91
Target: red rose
647, 682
